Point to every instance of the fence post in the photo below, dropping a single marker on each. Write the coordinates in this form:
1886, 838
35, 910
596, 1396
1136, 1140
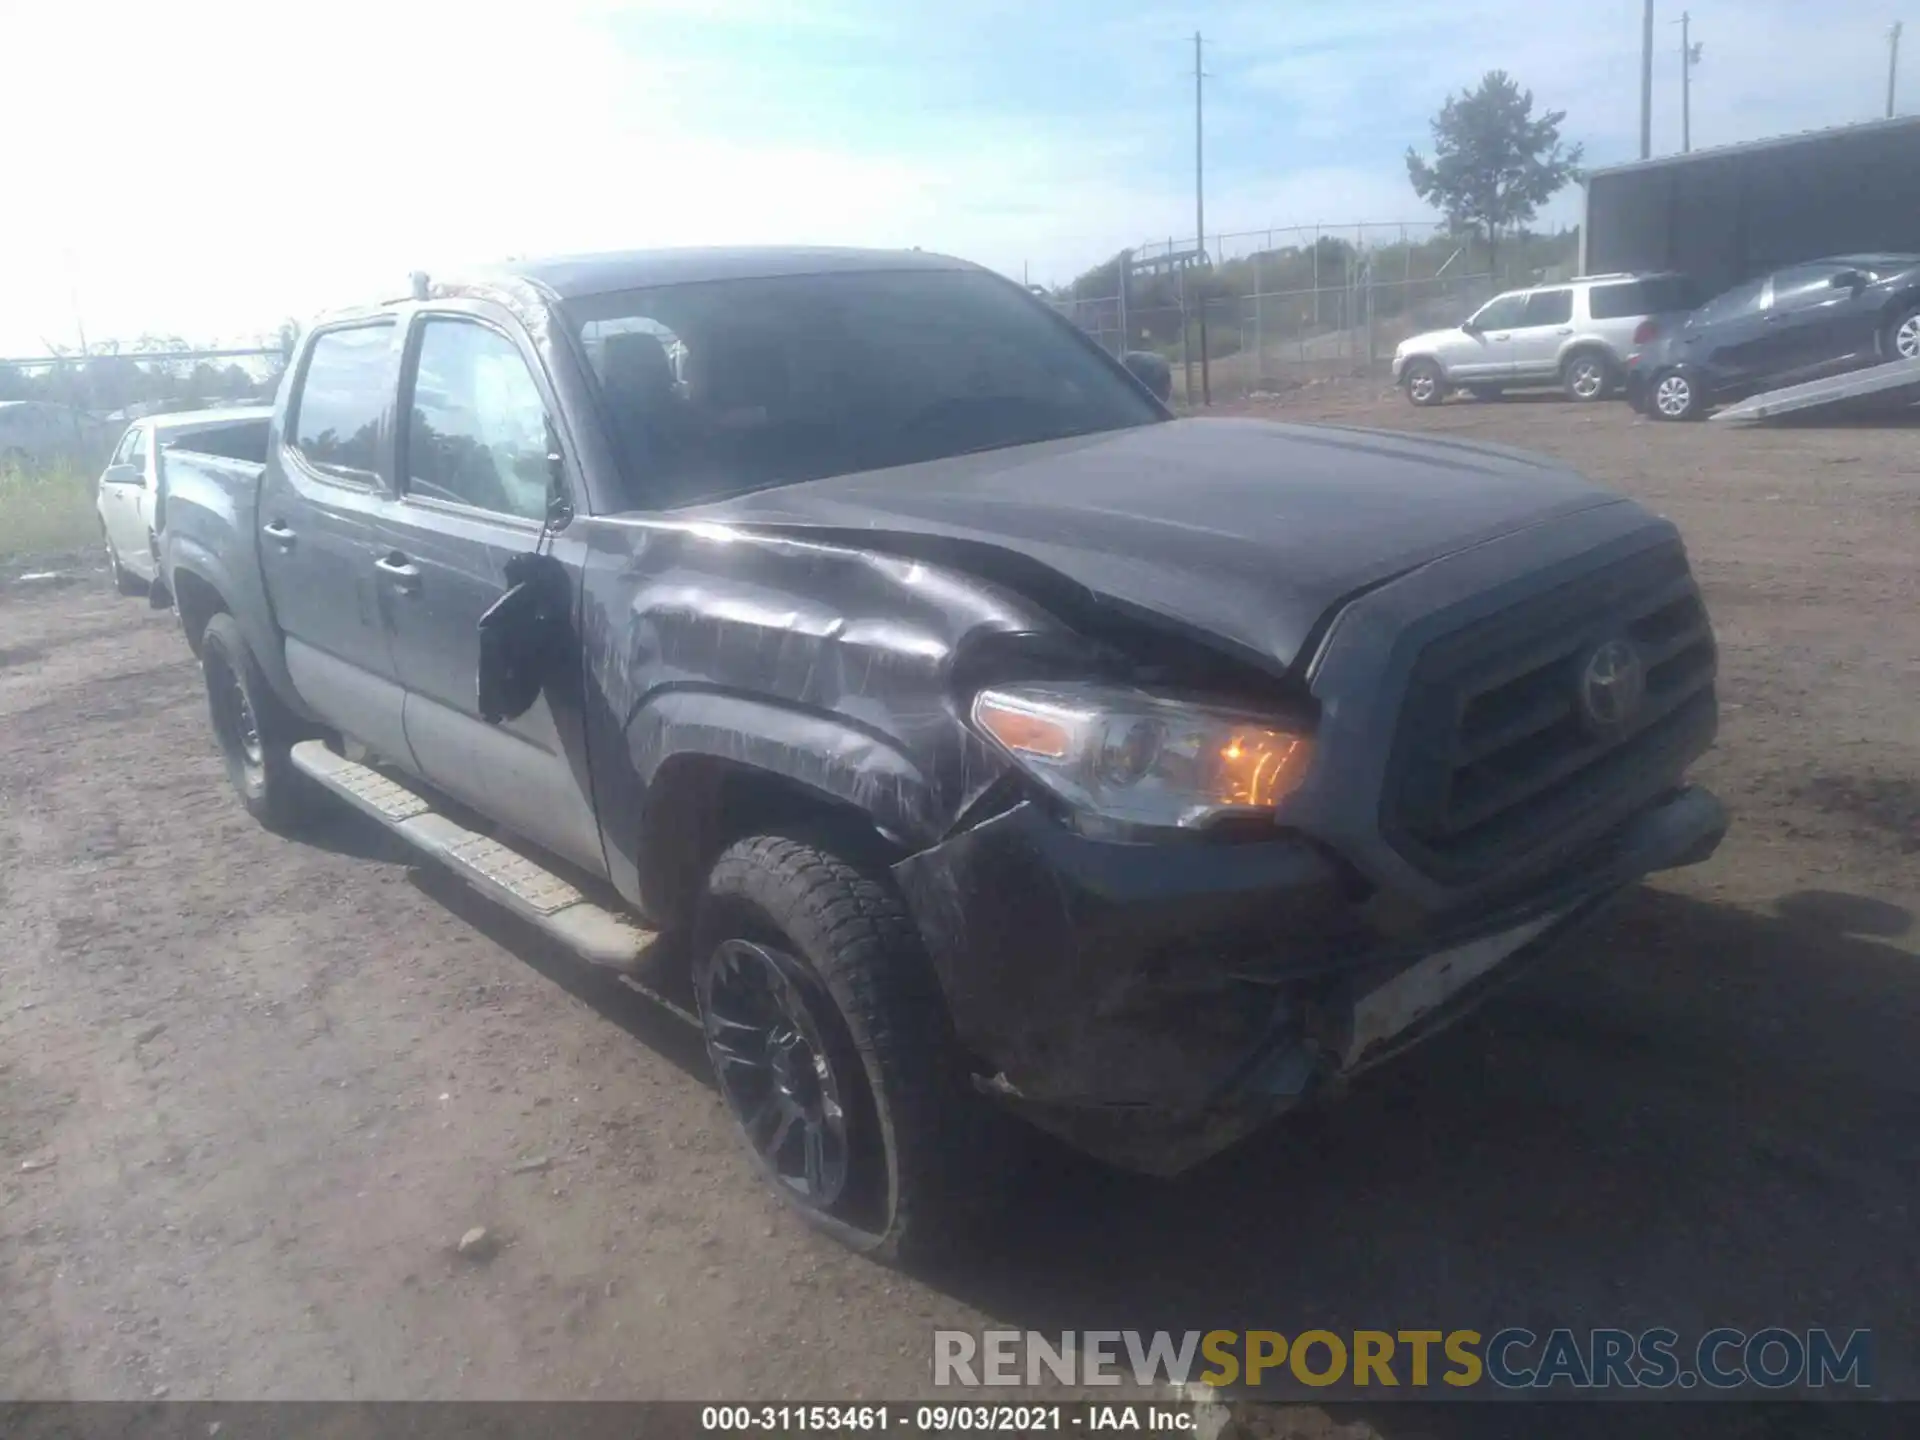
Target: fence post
1126, 266
1180, 292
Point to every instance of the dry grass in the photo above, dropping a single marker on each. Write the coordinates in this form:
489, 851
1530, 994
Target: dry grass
46, 511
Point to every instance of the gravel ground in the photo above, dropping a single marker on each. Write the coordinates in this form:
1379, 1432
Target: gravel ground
252, 1091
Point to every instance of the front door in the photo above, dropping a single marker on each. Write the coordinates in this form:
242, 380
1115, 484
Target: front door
121, 487
1813, 325
1489, 341
476, 476
1534, 351
326, 481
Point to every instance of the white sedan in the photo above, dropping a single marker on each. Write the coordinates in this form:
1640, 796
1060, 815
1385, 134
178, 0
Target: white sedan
132, 494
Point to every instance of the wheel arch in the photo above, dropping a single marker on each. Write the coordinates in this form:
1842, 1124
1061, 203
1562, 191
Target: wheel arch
716, 768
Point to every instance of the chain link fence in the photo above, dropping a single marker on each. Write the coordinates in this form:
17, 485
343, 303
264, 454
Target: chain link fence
1266, 310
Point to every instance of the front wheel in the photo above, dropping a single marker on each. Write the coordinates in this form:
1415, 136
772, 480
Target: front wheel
254, 729
831, 1046
1586, 377
1672, 396
1903, 336
1425, 383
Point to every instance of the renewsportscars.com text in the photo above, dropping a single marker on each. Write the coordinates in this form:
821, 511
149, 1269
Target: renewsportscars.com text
1774, 1358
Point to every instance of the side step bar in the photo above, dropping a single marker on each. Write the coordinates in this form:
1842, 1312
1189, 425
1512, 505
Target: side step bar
505, 876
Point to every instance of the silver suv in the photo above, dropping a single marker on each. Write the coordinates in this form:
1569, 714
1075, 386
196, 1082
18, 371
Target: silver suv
1576, 334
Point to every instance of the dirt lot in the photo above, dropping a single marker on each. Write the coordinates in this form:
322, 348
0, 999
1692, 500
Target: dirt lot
251, 1091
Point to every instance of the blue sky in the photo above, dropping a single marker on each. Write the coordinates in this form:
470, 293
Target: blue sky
354, 140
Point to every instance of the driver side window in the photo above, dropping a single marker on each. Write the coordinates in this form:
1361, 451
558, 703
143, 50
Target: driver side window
477, 426
1502, 313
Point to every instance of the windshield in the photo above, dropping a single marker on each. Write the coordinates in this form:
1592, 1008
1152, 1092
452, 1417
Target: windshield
723, 387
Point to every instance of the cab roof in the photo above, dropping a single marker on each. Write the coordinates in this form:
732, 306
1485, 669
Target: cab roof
572, 276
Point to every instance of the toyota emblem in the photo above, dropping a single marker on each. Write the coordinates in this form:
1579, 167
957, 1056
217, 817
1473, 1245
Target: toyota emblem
1612, 684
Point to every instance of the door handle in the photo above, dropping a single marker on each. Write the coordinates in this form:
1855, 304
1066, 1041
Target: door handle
280, 533
1564, 330
404, 574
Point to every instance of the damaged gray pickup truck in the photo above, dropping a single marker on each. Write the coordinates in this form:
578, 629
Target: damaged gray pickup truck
984, 738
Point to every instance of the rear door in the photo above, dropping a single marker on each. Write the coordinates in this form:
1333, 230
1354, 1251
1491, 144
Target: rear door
1544, 328
1720, 338
476, 476
327, 479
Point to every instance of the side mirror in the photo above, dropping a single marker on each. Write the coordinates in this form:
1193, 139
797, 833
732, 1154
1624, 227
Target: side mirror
523, 636
1848, 280
1470, 326
1152, 371
124, 475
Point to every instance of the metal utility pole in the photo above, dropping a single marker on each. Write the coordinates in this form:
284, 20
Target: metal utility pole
1893, 64
1689, 57
1200, 220
1646, 82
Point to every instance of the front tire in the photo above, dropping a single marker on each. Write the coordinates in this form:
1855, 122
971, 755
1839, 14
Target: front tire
1903, 336
1425, 382
1673, 396
1586, 377
832, 1049
254, 730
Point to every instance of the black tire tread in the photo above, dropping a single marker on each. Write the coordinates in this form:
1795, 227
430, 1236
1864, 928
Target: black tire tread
286, 802
854, 931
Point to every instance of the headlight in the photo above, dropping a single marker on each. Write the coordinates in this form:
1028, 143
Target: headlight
1143, 759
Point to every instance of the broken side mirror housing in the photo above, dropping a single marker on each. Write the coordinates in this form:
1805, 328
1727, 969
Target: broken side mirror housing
1152, 371
524, 636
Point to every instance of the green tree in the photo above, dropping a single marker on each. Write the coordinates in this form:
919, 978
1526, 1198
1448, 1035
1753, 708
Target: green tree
1494, 162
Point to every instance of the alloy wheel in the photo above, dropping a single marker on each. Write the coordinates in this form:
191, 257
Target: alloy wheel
1906, 339
1673, 396
775, 1070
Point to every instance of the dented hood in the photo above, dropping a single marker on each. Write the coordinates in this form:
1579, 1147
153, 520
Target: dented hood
1243, 532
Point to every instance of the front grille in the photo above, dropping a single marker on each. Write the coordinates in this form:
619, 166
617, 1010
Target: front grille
1497, 759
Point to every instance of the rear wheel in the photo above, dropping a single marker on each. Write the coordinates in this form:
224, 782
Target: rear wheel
1587, 376
1672, 396
830, 1042
1903, 336
1425, 383
254, 729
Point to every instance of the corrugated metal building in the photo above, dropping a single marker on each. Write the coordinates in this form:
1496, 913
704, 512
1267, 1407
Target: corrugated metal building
1732, 212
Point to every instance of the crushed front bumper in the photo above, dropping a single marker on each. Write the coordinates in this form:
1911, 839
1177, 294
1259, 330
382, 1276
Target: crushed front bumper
1153, 1003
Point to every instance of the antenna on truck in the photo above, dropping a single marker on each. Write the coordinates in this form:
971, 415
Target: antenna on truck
417, 284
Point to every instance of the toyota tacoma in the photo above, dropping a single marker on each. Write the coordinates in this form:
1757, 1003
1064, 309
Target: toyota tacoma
984, 739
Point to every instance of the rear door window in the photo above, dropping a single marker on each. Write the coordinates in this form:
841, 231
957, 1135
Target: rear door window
1549, 307
1742, 300
343, 394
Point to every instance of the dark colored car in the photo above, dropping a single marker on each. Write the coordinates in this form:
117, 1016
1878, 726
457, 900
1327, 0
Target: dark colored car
1806, 322
983, 735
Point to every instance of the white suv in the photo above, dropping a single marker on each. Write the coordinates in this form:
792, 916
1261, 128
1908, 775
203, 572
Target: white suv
1576, 334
